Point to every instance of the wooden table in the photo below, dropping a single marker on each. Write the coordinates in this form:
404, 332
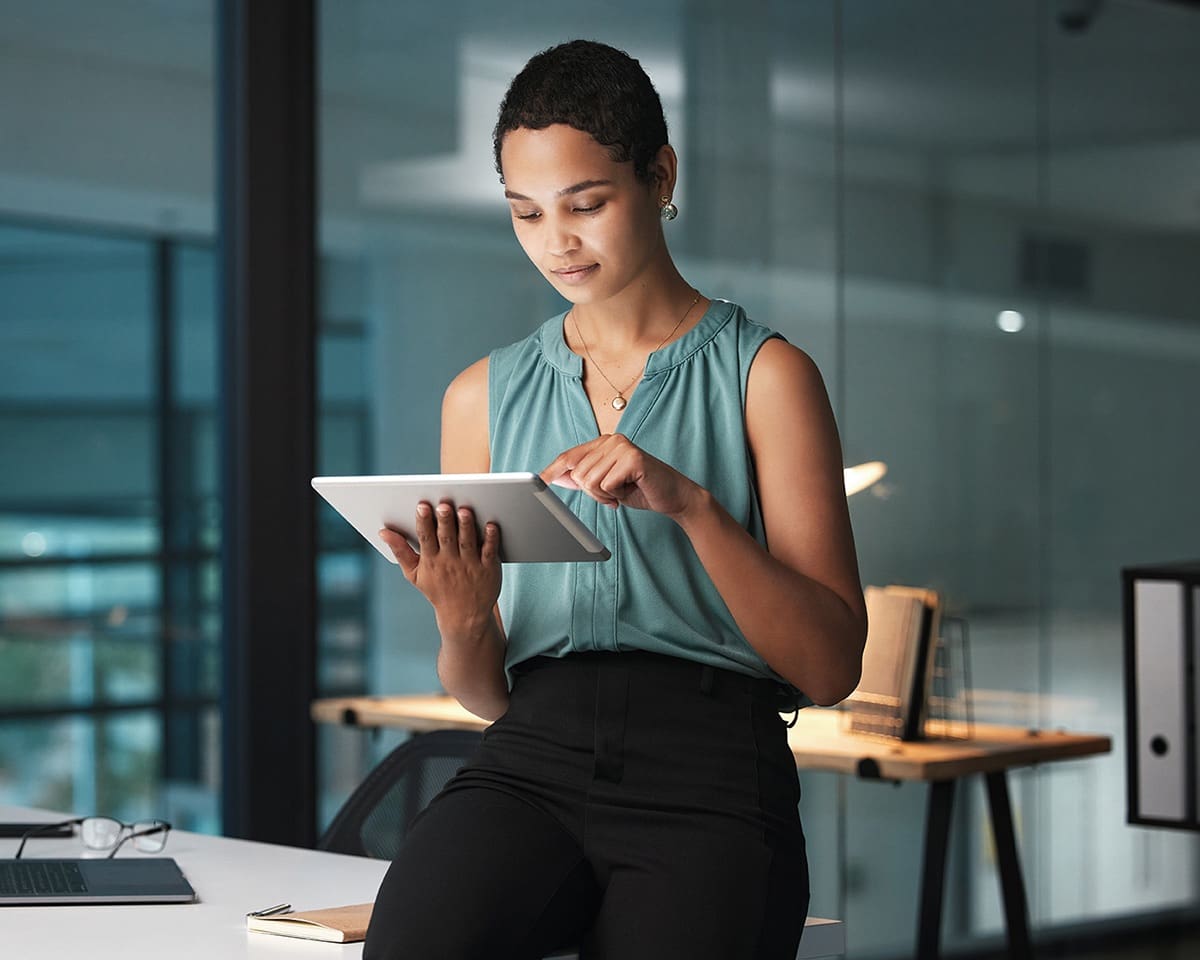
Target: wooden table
819, 742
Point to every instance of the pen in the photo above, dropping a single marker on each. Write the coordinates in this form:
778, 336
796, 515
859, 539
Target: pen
271, 911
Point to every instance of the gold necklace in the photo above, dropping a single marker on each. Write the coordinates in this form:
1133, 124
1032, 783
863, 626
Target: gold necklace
619, 402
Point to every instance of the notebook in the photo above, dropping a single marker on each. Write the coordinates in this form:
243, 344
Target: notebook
332, 924
36, 881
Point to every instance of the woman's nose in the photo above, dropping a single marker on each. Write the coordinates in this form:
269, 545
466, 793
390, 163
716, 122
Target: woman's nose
560, 241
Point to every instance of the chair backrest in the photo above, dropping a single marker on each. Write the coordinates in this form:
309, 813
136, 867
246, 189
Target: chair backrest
375, 818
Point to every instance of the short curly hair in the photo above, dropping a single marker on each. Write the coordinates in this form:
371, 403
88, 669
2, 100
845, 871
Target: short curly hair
594, 88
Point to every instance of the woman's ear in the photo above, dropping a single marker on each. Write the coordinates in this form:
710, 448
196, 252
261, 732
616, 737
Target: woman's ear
664, 168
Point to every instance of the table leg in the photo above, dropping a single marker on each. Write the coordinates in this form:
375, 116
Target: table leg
1012, 886
933, 872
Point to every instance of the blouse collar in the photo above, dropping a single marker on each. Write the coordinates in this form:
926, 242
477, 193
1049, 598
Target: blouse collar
563, 359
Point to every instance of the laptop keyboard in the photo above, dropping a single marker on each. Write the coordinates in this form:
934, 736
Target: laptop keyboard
41, 876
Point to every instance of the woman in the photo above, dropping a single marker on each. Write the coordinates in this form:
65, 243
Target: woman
636, 793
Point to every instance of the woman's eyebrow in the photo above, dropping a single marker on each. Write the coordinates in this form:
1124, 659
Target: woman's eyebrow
565, 191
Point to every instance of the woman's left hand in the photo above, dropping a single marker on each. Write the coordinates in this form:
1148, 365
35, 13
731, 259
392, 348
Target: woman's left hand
615, 472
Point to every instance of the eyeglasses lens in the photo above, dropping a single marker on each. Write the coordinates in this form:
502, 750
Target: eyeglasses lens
150, 836
100, 833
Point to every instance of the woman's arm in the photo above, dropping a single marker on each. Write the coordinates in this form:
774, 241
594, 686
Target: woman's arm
456, 573
799, 603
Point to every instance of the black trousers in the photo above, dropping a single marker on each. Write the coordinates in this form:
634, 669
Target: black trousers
635, 805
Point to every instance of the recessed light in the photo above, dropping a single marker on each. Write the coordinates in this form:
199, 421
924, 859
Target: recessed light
1010, 321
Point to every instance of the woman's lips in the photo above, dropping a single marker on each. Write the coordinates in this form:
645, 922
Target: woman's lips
574, 275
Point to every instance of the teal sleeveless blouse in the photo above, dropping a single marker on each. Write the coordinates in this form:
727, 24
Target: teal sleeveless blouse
688, 410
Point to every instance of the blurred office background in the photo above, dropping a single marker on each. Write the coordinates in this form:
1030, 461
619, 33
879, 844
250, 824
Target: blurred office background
982, 219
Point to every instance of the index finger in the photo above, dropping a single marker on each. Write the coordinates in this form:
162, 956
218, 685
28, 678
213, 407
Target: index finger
558, 472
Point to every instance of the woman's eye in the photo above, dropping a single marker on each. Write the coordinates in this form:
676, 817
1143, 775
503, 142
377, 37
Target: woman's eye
592, 209
527, 216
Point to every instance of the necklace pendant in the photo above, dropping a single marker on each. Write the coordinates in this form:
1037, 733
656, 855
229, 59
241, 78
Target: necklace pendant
619, 402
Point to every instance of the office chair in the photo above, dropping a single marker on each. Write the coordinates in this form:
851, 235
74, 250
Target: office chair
374, 819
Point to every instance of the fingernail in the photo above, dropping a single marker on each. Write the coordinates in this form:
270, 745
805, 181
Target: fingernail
444, 509
422, 509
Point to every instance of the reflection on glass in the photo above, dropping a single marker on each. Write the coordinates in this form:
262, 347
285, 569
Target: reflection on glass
32, 768
344, 429
107, 496
43, 534
82, 584
128, 759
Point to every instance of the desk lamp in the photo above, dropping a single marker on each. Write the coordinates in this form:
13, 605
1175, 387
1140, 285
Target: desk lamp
859, 477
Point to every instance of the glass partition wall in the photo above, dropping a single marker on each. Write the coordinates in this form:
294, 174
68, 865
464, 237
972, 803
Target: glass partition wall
110, 605
978, 219
109, 612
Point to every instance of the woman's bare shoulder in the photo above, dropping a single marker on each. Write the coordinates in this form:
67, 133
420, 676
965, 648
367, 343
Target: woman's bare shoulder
789, 420
465, 445
469, 388
782, 364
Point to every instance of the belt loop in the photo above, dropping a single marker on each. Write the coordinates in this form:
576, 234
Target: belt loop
708, 678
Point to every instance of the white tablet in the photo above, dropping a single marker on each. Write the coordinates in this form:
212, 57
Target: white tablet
535, 525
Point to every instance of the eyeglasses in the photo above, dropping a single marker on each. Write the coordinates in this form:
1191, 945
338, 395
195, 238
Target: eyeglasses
103, 833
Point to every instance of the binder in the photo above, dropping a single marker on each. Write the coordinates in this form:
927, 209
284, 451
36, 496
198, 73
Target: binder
1162, 691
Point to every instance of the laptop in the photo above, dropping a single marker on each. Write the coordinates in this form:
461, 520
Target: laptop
34, 881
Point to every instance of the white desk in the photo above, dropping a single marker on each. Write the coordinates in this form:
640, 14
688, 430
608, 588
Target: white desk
231, 878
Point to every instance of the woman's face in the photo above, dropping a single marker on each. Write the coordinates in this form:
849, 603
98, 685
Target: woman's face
587, 223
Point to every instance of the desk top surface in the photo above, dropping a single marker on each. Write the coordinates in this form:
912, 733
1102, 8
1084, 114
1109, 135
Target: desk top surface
818, 740
231, 877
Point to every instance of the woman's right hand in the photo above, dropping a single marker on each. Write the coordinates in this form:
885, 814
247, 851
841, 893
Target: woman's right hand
457, 574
